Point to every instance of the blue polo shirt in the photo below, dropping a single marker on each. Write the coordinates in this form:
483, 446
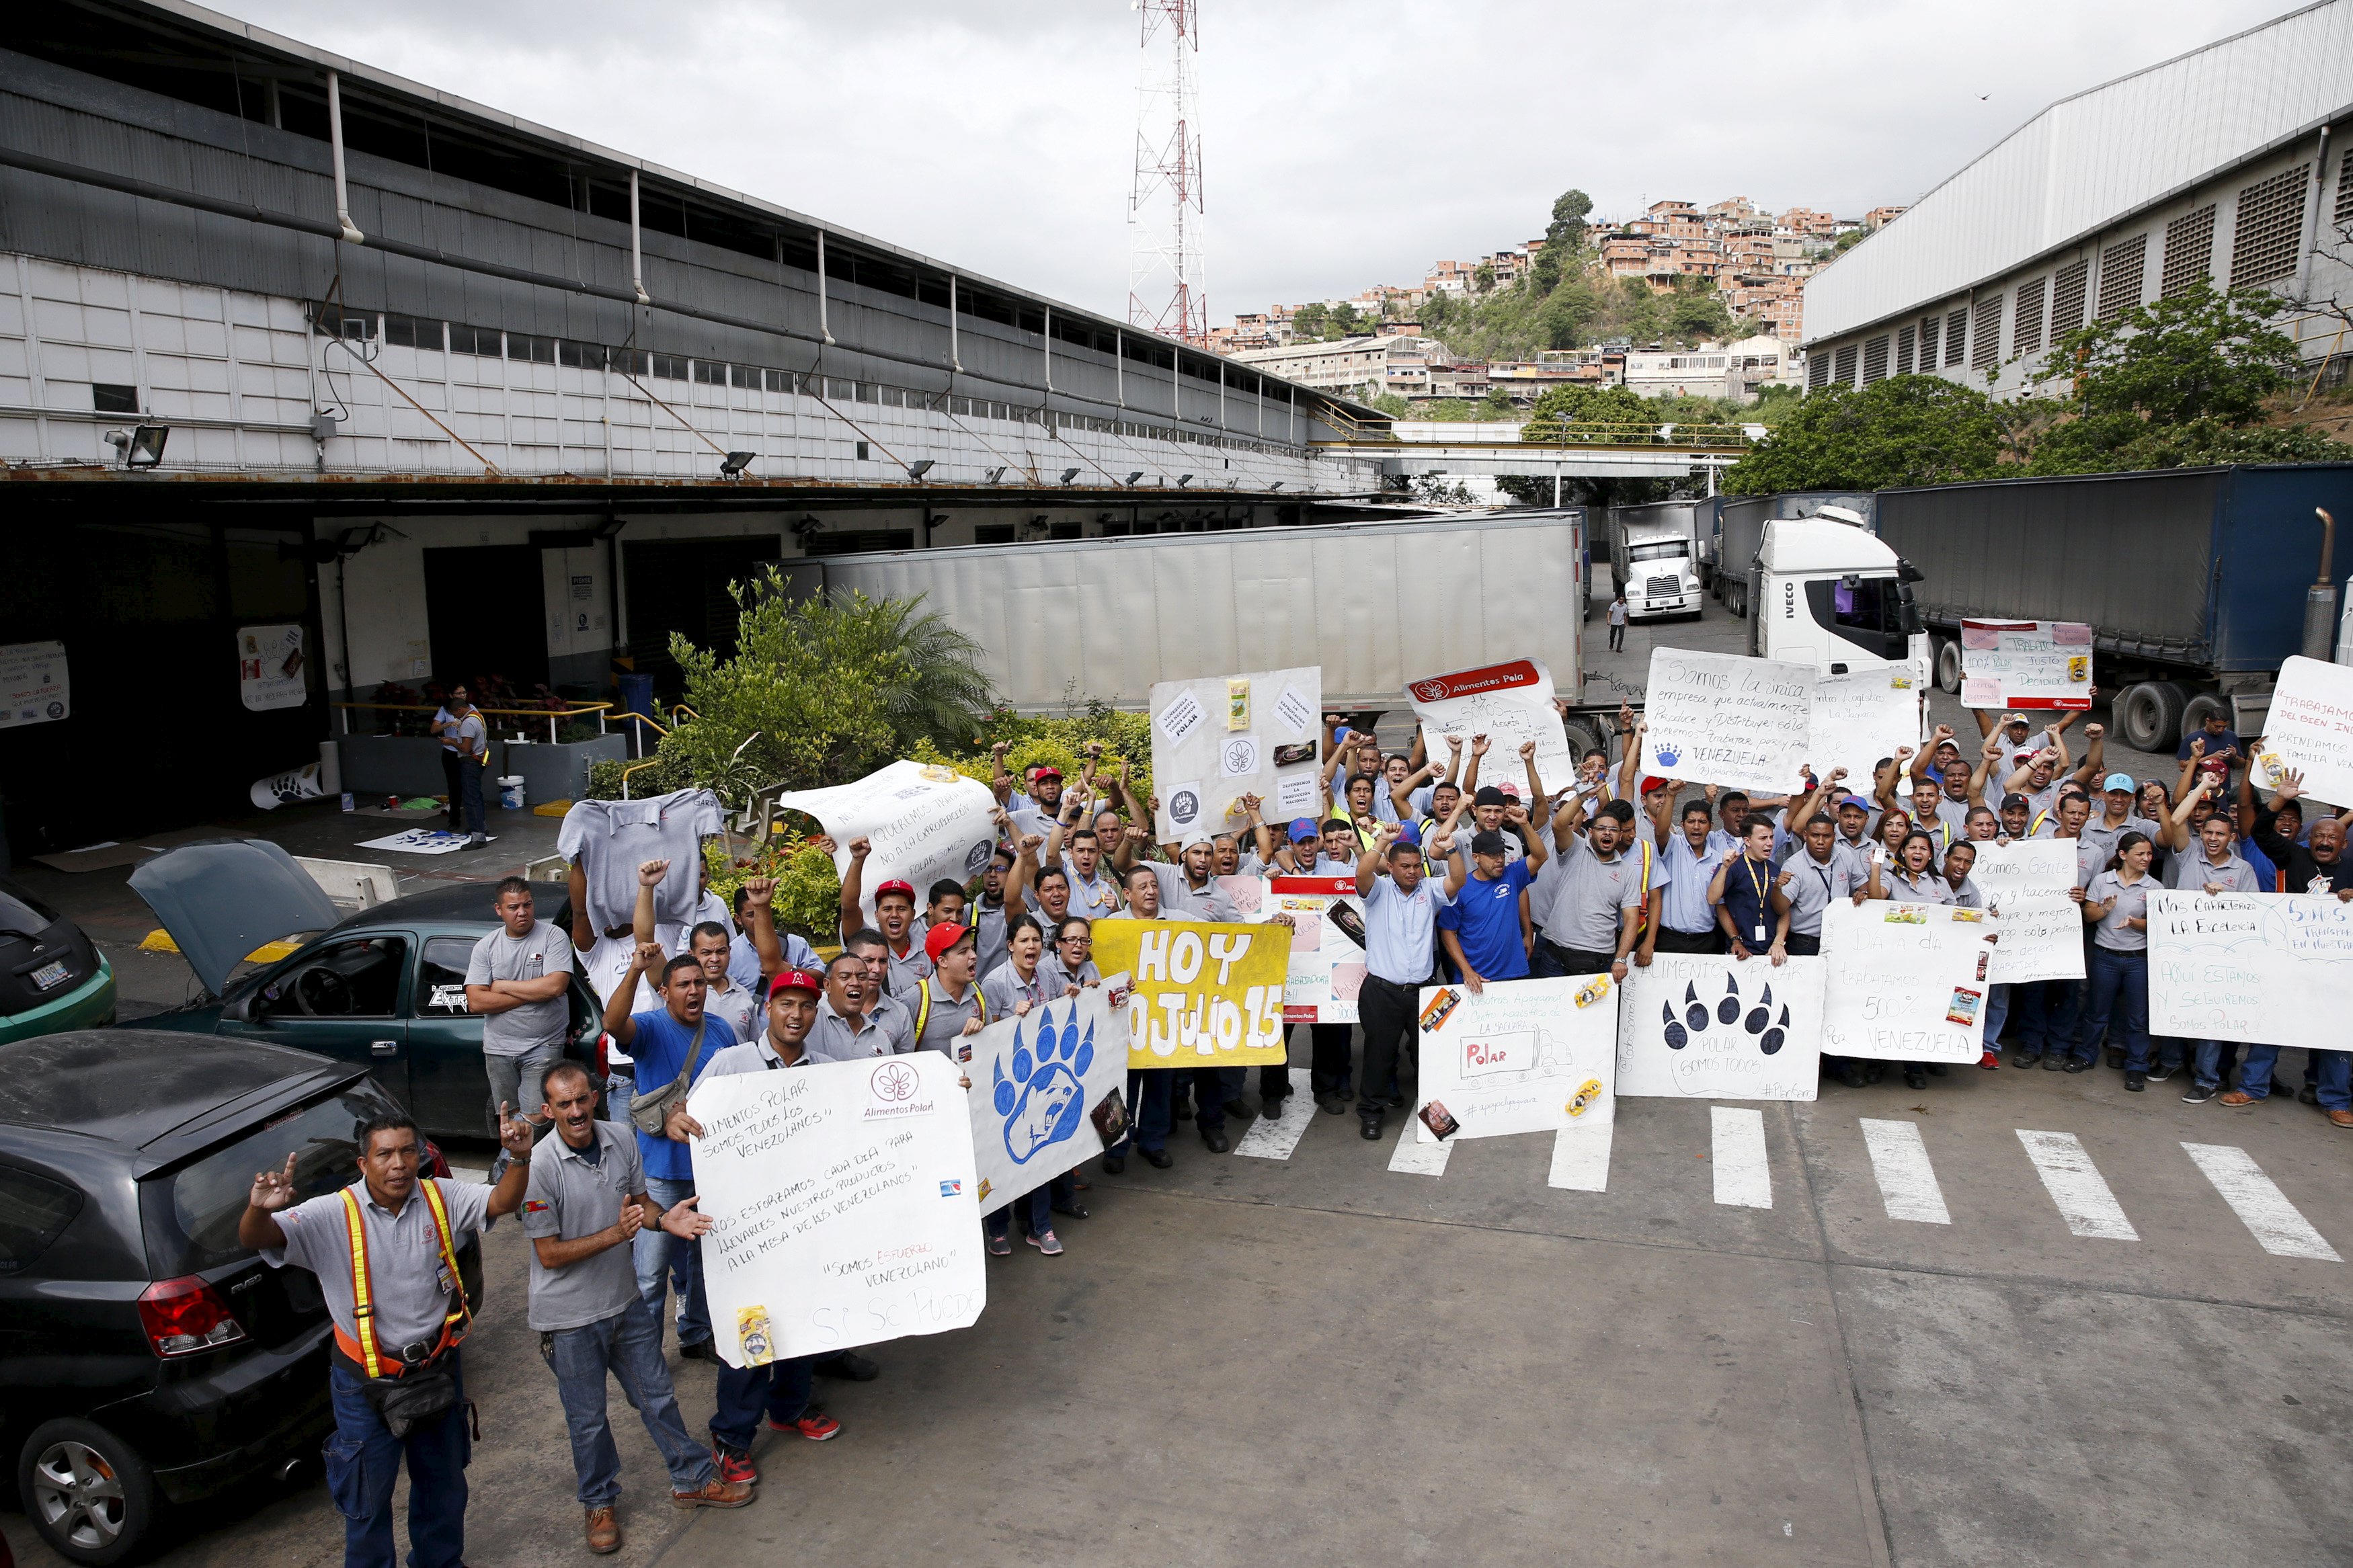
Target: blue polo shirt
660, 1050
1485, 919
1748, 898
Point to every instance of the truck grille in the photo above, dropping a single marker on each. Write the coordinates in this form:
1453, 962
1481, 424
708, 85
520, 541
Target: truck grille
1662, 588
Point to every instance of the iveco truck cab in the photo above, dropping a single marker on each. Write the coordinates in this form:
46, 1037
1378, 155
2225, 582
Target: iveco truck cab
1823, 591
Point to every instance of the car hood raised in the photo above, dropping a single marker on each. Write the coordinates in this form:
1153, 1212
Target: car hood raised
220, 900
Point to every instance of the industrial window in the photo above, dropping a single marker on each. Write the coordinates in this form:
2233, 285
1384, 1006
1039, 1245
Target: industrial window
745, 375
859, 540
633, 362
2124, 268
2067, 298
1956, 335
1844, 373
482, 341
526, 346
992, 534
580, 355
1928, 329
1904, 340
2189, 253
2026, 320
108, 398
710, 374
2270, 227
836, 387
411, 331
337, 322
667, 367
960, 406
862, 452
1065, 531
869, 392
2345, 188
780, 381
1874, 360
1985, 353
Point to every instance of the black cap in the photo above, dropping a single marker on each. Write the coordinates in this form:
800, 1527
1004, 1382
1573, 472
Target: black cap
2014, 803
1490, 795
1486, 841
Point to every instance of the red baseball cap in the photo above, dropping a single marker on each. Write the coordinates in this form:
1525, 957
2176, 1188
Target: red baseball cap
895, 886
797, 980
939, 939
1653, 781
1046, 771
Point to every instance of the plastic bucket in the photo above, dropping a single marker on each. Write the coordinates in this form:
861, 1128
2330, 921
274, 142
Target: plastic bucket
510, 793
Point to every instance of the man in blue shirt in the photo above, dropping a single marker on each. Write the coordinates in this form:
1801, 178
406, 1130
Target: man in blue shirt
1482, 924
1401, 911
675, 1038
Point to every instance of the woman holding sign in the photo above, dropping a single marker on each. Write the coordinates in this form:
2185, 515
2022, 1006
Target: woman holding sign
2116, 907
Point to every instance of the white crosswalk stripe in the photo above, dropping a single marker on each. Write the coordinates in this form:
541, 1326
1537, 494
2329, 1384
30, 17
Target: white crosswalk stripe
1907, 1183
1580, 1158
1416, 1158
2075, 1185
1275, 1139
1744, 1176
2276, 1223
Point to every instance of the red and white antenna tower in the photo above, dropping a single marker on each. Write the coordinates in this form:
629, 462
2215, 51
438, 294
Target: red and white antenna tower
1168, 267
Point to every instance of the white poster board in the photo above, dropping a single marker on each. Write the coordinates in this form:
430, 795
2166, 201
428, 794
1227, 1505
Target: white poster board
840, 1197
1702, 1026
922, 823
2026, 664
2026, 884
1036, 1082
33, 685
1726, 719
1215, 741
270, 668
1327, 963
2264, 968
1521, 1055
1510, 704
1860, 718
2310, 730
1906, 983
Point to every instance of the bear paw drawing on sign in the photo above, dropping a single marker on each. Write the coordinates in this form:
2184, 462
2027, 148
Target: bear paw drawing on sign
1041, 1100
1759, 1024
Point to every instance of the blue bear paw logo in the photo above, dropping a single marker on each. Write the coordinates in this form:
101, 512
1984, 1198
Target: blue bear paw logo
1668, 756
1041, 1099
1769, 1032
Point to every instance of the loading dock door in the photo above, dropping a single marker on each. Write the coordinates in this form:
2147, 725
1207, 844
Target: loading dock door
486, 613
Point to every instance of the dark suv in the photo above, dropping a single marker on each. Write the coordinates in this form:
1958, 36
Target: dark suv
147, 1358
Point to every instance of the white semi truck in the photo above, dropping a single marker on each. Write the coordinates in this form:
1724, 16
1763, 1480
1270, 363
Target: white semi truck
1654, 557
1822, 590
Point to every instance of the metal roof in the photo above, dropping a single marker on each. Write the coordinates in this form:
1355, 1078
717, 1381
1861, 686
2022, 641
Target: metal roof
2092, 159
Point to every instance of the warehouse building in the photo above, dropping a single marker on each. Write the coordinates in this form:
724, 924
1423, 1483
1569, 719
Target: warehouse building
2228, 165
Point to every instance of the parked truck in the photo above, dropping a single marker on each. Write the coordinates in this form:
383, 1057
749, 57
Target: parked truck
1375, 603
1654, 557
1824, 591
1740, 532
2193, 580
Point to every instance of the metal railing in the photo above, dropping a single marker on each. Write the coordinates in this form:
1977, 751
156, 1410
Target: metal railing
552, 715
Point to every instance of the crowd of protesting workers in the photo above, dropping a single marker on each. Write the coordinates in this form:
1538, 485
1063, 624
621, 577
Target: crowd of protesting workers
1473, 870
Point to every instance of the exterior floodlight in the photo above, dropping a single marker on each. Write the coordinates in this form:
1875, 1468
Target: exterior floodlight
732, 468
1069, 474
919, 467
1132, 477
142, 446
996, 474
1184, 480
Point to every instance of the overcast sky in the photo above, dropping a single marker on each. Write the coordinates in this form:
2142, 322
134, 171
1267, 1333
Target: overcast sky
1344, 144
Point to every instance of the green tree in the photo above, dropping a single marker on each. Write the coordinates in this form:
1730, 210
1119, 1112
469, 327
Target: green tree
1566, 230
1568, 313
1848, 240
1346, 322
1905, 430
1307, 323
1391, 403
1482, 278
1582, 405
1696, 310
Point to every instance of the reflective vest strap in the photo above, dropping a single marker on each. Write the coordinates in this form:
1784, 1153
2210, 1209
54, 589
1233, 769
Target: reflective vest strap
462, 1314
362, 1348
924, 1006
363, 1309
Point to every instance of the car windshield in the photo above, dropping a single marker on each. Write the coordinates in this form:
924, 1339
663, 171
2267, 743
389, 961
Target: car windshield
21, 914
208, 1193
1659, 550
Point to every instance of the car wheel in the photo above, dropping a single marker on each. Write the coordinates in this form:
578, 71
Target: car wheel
89, 1494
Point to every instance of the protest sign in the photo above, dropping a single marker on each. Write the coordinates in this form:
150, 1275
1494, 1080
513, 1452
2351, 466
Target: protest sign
2263, 968
1216, 741
1520, 1056
1725, 719
33, 687
2026, 664
1508, 703
2309, 730
1906, 983
1205, 995
2026, 884
840, 1197
921, 824
1706, 1027
1326, 970
270, 668
1037, 1081
1860, 718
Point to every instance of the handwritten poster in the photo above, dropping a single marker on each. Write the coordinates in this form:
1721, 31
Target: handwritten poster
2310, 729
1204, 995
1229, 736
1510, 704
1906, 983
1725, 718
841, 1202
2266, 968
2026, 664
2026, 883
923, 823
1522, 1056
1861, 717
270, 668
1036, 1082
1327, 972
33, 685
1703, 1027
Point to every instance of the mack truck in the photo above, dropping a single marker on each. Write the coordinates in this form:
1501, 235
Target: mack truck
1654, 557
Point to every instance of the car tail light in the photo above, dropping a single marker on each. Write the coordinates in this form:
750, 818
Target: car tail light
603, 1055
434, 1163
185, 1316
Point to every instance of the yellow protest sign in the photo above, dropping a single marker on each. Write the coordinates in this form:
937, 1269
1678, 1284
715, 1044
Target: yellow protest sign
1200, 996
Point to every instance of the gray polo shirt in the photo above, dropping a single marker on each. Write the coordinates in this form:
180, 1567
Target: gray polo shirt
2132, 904
896, 1019
1586, 910
1176, 897
1058, 978
2192, 871
1092, 899
832, 1038
541, 951
944, 1025
908, 970
569, 1198
1815, 884
2097, 832
988, 921
1929, 889
1004, 989
405, 1268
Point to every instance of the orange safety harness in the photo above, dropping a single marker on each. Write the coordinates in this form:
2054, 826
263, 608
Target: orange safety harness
362, 1348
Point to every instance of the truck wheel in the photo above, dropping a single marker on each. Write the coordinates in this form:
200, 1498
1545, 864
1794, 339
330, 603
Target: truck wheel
1948, 665
2195, 711
1736, 599
88, 1493
2148, 715
1582, 738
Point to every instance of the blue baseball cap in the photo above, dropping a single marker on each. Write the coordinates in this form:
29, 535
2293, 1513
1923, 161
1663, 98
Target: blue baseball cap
1303, 828
1408, 834
1854, 800
2120, 780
